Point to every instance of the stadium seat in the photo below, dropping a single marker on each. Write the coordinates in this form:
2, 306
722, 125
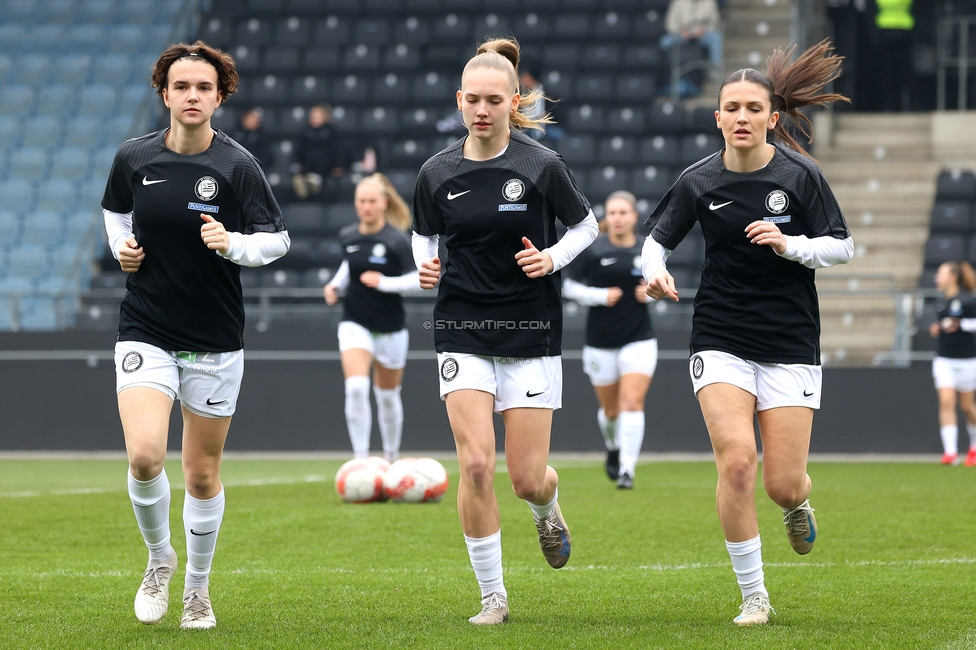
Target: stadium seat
410, 153
491, 24
16, 100
626, 120
558, 84
649, 26
71, 163
294, 31
142, 11
254, 32
617, 150
696, 147
391, 89
6, 60
955, 185
651, 182
531, 27
603, 181
42, 132
84, 38
667, 117
316, 278
578, 150
361, 58
282, 59
612, 26
372, 31
56, 100
635, 87
42, 38
565, 56
41, 228
452, 28
321, 59
572, 27
10, 130
333, 30
217, 32
586, 119
433, 88
305, 219
128, 39
28, 261
401, 57
601, 57
28, 163
9, 233
594, 88
269, 90
951, 216
945, 248
30, 69
56, 194
17, 193
420, 120
38, 314
660, 150
351, 89
279, 278
93, 99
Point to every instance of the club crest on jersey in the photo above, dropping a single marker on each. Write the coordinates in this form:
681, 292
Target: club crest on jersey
777, 201
206, 188
955, 307
449, 369
513, 189
378, 254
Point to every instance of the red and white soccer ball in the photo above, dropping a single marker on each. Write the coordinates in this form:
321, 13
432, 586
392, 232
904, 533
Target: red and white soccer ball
361, 480
415, 480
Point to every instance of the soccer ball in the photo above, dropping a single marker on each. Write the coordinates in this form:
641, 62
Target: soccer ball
415, 480
361, 480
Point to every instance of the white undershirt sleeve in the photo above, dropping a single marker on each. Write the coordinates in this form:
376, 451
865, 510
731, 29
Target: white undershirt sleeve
967, 324
118, 227
341, 278
653, 258
584, 294
256, 249
819, 252
407, 283
424, 248
576, 239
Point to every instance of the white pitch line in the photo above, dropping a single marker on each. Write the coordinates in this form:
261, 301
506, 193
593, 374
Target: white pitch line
255, 482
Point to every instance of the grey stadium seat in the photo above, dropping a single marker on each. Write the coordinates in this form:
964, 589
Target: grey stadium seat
951, 216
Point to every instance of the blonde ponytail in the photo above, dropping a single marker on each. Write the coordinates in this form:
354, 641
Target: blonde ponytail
502, 54
397, 212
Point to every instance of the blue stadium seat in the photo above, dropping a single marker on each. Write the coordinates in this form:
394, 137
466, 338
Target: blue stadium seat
42, 132
43, 229
82, 225
31, 69
6, 63
57, 194
112, 69
101, 164
17, 193
128, 39
144, 11
28, 163
28, 261
16, 284
20, 11
10, 131
43, 38
9, 232
84, 38
84, 131
98, 11
71, 163
17, 100
119, 129
56, 100
57, 11
38, 314
93, 99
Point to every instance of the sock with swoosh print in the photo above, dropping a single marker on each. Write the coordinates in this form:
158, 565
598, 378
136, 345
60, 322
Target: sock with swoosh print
201, 521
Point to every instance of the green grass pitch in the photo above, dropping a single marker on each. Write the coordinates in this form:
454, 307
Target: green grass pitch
894, 566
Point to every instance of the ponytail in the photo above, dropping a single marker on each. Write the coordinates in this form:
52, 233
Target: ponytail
965, 275
397, 212
503, 54
796, 85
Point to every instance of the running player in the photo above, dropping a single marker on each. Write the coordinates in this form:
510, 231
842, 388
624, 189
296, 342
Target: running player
185, 208
495, 195
378, 267
769, 219
954, 366
620, 354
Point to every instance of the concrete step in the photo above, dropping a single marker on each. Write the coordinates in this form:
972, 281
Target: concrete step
857, 304
772, 6
893, 218
739, 28
908, 237
836, 171
861, 152
901, 123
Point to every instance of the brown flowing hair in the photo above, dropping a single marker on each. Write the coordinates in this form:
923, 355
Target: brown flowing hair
792, 86
227, 77
503, 54
965, 275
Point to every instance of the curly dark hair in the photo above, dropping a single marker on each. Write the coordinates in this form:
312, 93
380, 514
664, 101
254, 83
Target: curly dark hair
227, 77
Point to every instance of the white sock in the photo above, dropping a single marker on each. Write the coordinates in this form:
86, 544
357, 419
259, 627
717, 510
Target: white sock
543, 511
486, 559
359, 416
609, 430
748, 566
630, 430
971, 430
950, 435
389, 412
150, 501
201, 521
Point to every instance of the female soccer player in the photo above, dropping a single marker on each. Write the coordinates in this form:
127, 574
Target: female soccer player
620, 354
377, 268
495, 195
954, 366
184, 208
769, 219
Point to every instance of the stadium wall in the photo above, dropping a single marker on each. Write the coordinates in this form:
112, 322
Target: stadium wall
57, 393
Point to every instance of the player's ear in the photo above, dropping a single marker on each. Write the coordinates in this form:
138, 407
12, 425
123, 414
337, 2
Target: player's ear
458, 99
773, 120
718, 119
165, 96
516, 99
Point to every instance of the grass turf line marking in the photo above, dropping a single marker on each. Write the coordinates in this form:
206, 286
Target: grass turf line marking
256, 482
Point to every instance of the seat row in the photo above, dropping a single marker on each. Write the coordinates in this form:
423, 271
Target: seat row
102, 12
100, 100
47, 38
65, 163
53, 194
69, 71
85, 131
241, 8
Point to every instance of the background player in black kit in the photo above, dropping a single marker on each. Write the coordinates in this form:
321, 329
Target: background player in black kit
620, 354
184, 208
954, 365
378, 267
495, 195
769, 219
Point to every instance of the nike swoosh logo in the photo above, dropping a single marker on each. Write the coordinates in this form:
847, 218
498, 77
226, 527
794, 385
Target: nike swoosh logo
146, 181
209, 403
451, 197
607, 261
193, 532
712, 206
813, 533
806, 394
352, 249
529, 394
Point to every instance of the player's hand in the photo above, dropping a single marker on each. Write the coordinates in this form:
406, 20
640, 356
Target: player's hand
640, 292
934, 330
765, 233
950, 324
614, 294
131, 255
661, 285
331, 295
430, 273
535, 263
371, 279
214, 234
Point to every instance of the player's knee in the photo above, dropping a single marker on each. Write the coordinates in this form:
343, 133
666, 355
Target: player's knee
145, 464
478, 471
612, 412
200, 480
786, 494
739, 474
631, 403
528, 488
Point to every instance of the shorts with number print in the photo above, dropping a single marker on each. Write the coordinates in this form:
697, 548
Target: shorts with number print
388, 348
516, 382
605, 366
774, 384
206, 383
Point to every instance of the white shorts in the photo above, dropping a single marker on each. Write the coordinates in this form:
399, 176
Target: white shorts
206, 383
605, 366
516, 382
774, 384
388, 348
959, 374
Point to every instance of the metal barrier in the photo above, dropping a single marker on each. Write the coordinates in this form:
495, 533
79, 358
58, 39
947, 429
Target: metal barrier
952, 53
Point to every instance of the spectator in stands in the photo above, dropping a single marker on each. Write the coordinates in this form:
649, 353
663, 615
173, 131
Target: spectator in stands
894, 23
954, 366
769, 219
620, 354
181, 324
695, 20
320, 153
377, 268
492, 218
251, 136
